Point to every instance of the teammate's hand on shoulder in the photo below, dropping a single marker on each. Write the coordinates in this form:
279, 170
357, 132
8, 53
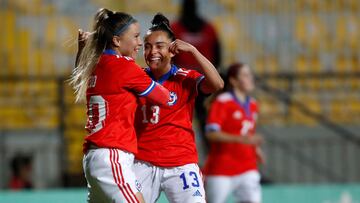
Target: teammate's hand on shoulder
82, 37
178, 46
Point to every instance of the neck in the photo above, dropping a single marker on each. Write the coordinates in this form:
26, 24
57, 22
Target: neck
240, 95
158, 72
115, 49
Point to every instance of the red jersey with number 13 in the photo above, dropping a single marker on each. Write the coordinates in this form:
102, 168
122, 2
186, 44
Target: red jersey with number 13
165, 135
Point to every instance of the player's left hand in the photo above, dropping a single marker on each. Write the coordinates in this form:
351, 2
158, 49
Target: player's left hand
178, 46
82, 38
260, 156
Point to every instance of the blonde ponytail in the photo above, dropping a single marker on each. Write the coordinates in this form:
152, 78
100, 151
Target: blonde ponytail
106, 22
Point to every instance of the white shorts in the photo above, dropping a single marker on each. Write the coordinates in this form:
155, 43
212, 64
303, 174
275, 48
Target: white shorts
181, 184
110, 176
245, 187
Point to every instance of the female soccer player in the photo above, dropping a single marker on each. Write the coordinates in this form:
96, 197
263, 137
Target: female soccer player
231, 166
109, 79
167, 156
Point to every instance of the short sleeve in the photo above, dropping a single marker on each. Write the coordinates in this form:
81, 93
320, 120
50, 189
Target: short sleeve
194, 79
138, 81
216, 117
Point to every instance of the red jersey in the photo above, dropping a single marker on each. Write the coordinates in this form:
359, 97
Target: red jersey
229, 115
165, 135
204, 41
111, 101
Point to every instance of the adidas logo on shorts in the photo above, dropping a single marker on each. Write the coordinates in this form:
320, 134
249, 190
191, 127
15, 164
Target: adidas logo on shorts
197, 193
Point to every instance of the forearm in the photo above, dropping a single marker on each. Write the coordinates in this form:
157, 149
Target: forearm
78, 56
221, 136
212, 82
159, 95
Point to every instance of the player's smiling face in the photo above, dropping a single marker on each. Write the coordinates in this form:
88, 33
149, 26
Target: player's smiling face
129, 43
156, 50
244, 80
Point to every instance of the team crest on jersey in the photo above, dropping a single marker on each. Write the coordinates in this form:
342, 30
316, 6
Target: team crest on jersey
237, 115
138, 185
173, 99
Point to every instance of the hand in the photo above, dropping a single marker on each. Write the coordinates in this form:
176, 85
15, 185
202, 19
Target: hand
252, 140
82, 37
260, 156
178, 46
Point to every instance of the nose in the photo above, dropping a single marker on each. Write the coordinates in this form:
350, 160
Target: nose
140, 42
153, 50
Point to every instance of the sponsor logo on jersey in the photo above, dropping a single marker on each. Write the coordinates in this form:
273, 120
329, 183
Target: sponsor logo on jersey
138, 185
173, 99
237, 115
197, 194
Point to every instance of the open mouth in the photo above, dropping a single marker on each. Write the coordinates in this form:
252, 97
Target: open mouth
154, 59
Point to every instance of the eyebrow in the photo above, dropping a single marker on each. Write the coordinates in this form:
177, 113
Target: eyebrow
157, 43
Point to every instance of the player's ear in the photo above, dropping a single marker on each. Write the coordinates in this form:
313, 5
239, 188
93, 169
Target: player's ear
116, 41
232, 81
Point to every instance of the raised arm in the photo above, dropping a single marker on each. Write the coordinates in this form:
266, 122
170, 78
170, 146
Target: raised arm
212, 81
82, 37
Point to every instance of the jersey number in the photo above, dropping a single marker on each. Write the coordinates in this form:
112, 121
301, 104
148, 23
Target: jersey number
97, 110
246, 126
155, 114
195, 180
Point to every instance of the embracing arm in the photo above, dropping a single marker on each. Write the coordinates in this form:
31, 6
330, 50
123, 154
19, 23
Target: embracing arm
212, 81
159, 95
221, 136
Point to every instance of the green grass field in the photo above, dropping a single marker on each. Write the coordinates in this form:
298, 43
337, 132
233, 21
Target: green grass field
271, 194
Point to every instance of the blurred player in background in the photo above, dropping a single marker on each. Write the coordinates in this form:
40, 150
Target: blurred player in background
109, 79
195, 30
167, 156
21, 168
231, 166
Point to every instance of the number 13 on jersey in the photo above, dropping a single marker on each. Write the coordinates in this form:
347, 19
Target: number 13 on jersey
155, 115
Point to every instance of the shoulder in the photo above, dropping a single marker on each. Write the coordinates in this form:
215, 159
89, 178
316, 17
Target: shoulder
117, 59
123, 66
187, 73
210, 28
254, 104
183, 72
224, 97
253, 101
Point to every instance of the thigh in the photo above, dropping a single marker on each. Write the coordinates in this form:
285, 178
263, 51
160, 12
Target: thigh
248, 187
110, 176
148, 176
218, 188
183, 184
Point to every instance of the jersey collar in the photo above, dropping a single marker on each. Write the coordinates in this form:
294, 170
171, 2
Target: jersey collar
245, 105
114, 53
173, 70
110, 52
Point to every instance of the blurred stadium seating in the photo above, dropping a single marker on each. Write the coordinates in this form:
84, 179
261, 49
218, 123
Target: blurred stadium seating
308, 50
